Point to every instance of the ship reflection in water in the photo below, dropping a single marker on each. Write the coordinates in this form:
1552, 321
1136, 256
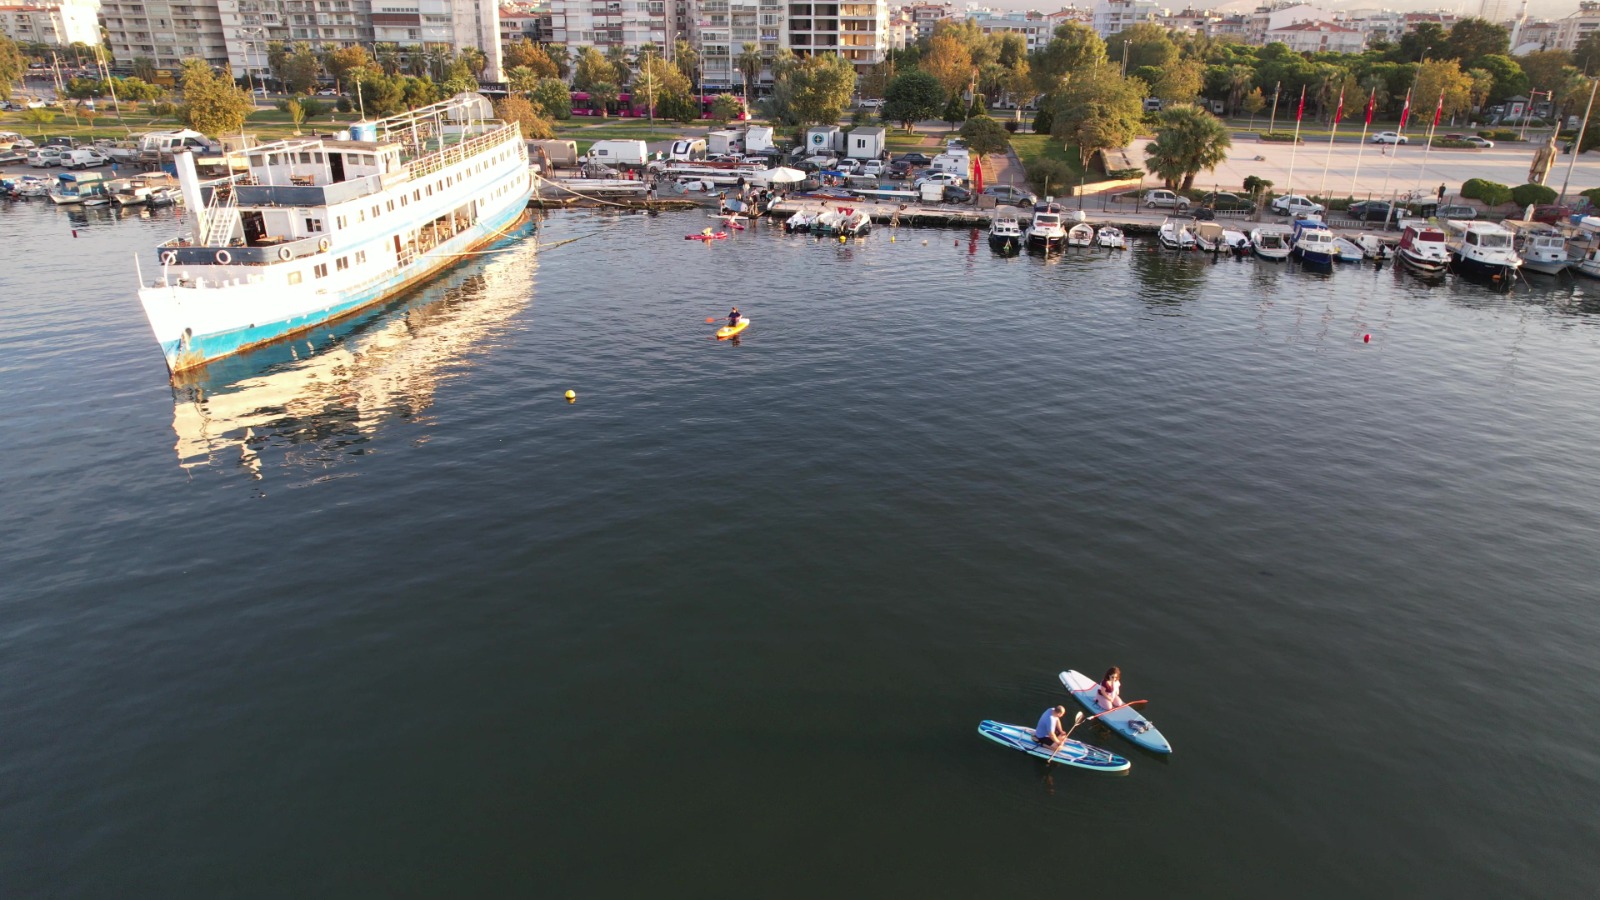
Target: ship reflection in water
325, 395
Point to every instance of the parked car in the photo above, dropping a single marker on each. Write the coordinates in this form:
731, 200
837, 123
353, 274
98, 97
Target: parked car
44, 157
1227, 202
1456, 212
914, 158
956, 194
873, 167
1296, 205
1552, 214
599, 170
898, 170
821, 162
1474, 140
1389, 137
83, 159
1374, 211
944, 178
1015, 196
849, 166
1164, 198
870, 103
327, 92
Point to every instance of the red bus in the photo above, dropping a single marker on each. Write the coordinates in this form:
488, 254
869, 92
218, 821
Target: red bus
623, 108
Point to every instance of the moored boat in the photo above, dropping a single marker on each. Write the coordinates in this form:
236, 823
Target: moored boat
1482, 247
1110, 237
1005, 233
1346, 250
77, 187
1046, 230
1313, 242
1270, 244
1541, 248
1080, 235
317, 228
1175, 236
1422, 249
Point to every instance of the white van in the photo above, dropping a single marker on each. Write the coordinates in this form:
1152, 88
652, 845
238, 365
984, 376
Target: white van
619, 153
689, 150
83, 159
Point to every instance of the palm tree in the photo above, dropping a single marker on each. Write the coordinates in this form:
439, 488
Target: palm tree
475, 60
388, 58
439, 59
750, 62
1188, 140
602, 94
1240, 80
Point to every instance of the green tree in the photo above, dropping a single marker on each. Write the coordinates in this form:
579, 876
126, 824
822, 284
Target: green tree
1188, 140
297, 113
12, 66
553, 97
592, 69
821, 87
985, 136
380, 94
1471, 39
1441, 76
475, 60
144, 69
417, 92
726, 108
1240, 80
912, 97
1254, 102
39, 118
1546, 69
1096, 110
387, 57
1482, 84
1428, 37
300, 69
211, 104
519, 109
659, 81
750, 63
1144, 44
1075, 48
346, 63
1508, 78
522, 80
954, 111
602, 94
687, 59
1179, 82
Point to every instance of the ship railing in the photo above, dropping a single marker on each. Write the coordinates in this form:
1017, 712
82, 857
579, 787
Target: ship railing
455, 153
181, 252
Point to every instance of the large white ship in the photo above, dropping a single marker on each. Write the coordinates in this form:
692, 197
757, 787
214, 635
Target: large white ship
314, 229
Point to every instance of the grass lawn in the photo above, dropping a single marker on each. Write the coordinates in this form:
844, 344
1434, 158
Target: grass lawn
585, 131
1033, 149
265, 124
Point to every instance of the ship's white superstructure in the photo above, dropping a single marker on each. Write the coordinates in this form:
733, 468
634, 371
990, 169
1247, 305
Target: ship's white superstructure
318, 228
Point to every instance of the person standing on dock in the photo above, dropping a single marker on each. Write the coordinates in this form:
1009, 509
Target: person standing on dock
1441, 192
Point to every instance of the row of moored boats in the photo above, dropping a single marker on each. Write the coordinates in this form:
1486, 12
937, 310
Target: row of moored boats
93, 189
1495, 249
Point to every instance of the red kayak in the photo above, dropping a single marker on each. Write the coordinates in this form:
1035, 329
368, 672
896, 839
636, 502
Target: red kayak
719, 236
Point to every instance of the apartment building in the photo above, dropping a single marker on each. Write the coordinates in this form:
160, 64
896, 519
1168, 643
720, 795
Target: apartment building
1572, 29
606, 24
56, 23
859, 32
165, 31
1112, 16
923, 17
1319, 37
1031, 25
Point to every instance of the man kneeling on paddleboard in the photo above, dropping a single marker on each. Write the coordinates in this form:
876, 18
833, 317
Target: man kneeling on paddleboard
733, 318
1049, 731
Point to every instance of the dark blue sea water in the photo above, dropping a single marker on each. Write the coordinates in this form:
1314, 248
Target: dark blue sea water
380, 613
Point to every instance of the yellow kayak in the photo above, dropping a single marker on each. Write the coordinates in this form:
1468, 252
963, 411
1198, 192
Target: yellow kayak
728, 331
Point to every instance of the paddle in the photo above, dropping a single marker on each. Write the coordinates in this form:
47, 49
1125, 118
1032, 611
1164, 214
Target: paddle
1113, 709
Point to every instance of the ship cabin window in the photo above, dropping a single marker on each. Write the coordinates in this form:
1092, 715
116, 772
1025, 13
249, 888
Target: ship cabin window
313, 225
339, 221
402, 200
430, 190
391, 206
294, 277
342, 263
361, 257
320, 270
374, 210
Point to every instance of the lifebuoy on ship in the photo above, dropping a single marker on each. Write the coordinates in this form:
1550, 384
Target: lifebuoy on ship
168, 258
285, 254
323, 245
223, 257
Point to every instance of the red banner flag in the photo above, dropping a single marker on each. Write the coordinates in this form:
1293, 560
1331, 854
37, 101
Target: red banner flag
1405, 111
977, 174
1339, 113
1372, 103
1302, 110
1438, 110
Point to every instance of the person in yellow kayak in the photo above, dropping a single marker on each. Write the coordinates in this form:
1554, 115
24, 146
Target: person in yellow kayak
733, 318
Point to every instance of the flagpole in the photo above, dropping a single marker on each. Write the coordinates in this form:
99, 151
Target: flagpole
1328, 160
1404, 113
1371, 101
1294, 148
1438, 110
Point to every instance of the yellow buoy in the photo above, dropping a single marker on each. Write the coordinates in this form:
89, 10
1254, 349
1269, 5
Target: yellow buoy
891, 238
571, 396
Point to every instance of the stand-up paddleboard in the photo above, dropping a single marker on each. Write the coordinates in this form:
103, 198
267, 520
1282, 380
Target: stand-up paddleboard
1072, 753
1126, 721
728, 331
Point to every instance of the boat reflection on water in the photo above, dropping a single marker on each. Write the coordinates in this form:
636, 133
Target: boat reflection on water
323, 396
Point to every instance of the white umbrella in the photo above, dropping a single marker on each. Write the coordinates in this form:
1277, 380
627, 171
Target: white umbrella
780, 175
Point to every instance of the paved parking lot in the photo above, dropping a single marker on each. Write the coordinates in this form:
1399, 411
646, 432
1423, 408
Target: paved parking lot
1383, 170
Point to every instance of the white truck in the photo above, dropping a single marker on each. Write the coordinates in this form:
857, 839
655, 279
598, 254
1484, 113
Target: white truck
631, 154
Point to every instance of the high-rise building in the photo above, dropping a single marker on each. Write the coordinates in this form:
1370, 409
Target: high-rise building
858, 32
54, 22
626, 25
166, 32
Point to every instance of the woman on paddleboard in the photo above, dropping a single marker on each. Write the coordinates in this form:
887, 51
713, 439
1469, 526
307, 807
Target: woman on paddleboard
1109, 692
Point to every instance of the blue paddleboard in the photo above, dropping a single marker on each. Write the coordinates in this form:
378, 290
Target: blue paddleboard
1126, 721
1072, 753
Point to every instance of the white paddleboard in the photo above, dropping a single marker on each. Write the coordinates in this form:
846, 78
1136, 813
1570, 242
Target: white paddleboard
1126, 721
1072, 753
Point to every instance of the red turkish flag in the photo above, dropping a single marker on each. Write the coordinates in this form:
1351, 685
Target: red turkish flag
1372, 102
1405, 113
1302, 110
1438, 110
1339, 113
977, 174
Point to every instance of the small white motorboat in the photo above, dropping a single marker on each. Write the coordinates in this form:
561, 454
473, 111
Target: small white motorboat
1346, 250
1080, 235
1270, 244
1422, 249
1110, 237
1005, 233
1542, 248
1175, 236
